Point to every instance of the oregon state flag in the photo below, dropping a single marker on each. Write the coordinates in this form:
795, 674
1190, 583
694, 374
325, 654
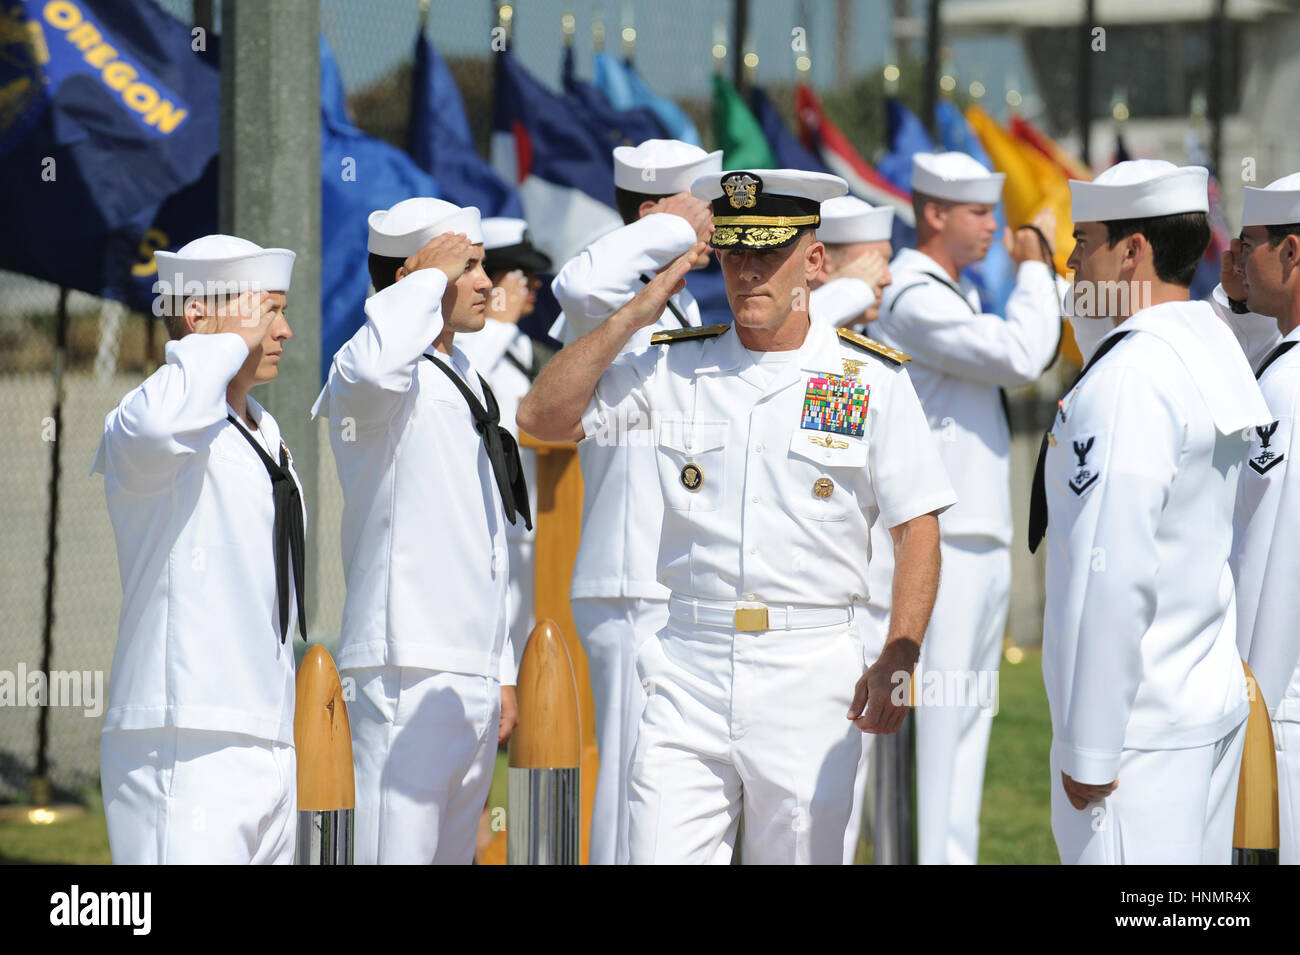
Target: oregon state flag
109, 129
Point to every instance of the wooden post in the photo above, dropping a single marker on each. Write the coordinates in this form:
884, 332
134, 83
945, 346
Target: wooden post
559, 528
1255, 834
322, 737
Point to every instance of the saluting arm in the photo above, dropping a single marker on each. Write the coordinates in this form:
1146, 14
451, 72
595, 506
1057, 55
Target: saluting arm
153, 426
552, 410
377, 365
605, 276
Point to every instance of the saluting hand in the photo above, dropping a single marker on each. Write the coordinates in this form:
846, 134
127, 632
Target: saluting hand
649, 303
506, 301
695, 211
248, 316
871, 267
1230, 276
449, 252
881, 697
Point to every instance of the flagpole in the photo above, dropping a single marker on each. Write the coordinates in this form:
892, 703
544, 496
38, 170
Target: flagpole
931, 86
739, 28
1085, 83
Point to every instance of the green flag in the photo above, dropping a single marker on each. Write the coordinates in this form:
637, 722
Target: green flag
737, 132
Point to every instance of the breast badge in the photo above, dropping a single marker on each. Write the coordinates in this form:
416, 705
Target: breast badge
822, 488
692, 477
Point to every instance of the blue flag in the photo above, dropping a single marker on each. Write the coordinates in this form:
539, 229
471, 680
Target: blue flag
616, 127
441, 142
907, 136
115, 115
359, 174
625, 89
789, 152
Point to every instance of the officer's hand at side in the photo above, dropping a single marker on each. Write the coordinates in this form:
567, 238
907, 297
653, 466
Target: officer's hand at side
449, 252
1229, 276
1081, 795
649, 303
248, 316
509, 715
695, 211
880, 699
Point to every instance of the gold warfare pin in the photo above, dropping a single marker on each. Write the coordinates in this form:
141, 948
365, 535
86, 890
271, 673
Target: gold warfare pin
692, 477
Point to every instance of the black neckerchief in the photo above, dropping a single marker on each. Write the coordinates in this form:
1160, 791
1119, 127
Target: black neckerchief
502, 450
1273, 356
525, 369
672, 307
1038, 495
289, 534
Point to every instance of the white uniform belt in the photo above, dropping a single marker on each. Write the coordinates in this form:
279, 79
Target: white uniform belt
752, 615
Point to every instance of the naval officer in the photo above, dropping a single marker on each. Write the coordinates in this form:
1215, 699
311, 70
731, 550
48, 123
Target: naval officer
430, 481
962, 359
778, 444
1260, 298
1135, 488
615, 597
197, 758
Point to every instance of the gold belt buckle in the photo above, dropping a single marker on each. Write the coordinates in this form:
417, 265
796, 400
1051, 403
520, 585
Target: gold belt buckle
751, 618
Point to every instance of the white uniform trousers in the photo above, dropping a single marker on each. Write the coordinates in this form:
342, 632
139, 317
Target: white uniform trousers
873, 627
962, 646
1172, 807
519, 595
1286, 743
610, 630
185, 797
424, 744
752, 719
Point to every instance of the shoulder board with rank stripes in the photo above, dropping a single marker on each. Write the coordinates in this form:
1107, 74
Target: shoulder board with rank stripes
684, 334
891, 355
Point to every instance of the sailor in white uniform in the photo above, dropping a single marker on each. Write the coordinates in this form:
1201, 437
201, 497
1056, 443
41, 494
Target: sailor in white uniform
1135, 489
430, 482
1260, 299
616, 599
504, 356
197, 759
779, 443
962, 359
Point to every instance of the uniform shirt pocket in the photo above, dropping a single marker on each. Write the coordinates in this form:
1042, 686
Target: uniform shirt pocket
823, 467
691, 457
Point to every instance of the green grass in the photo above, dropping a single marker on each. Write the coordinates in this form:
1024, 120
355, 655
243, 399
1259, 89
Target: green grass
1014, 821
1015, 818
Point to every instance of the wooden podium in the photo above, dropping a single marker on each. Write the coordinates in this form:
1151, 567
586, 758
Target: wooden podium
559, 527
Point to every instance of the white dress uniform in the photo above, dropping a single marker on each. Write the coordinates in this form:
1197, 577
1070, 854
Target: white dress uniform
1140, 661
615, 597
1266, 527
425, 557
197, 758
768, 506
962, 358
841, 302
